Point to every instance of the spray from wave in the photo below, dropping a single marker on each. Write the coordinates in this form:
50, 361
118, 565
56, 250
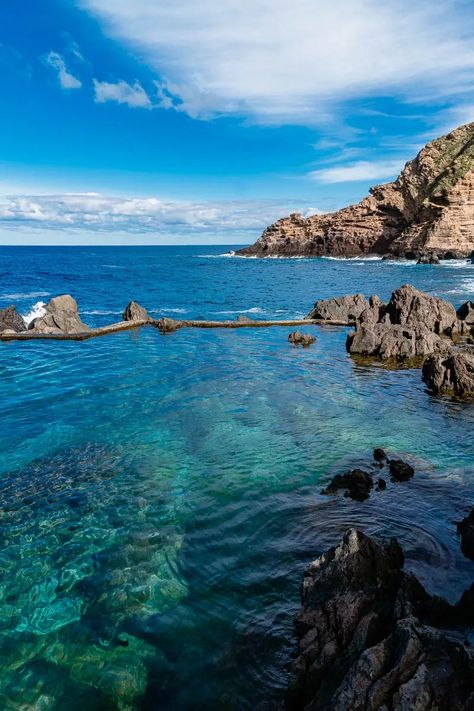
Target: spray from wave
36, 311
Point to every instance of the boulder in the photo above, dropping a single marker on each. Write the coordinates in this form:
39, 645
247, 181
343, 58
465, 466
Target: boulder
451, 374
135, 312
62, 315
380, 455
10, 320
167, 325
356, 483
466, 531
341, 308
301, 339
370, 638
410, 307
382, 340
400, 470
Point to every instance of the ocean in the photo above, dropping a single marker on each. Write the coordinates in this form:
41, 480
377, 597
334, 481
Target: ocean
160, 494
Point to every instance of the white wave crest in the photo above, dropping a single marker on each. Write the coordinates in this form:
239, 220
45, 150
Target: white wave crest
36, 311
29, 295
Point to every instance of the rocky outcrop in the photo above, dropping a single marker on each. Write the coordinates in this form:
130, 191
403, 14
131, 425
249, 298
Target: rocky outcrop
340, 308
411, 325
10, 320
168, 325
387, 341
465, 314
62, 315
135, 312
428, 258
429, 208
370, 637
301, 339
452, 374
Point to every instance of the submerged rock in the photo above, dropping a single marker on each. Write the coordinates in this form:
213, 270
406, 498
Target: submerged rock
11, 320
466, 531
368, 636
452, 374
135, 312
62, 315
301, 339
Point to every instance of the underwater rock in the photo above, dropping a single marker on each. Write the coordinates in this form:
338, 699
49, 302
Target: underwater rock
134, 312
452, 374
356, 483
62, 315
368, 636
466, 531
301, 339
10, 320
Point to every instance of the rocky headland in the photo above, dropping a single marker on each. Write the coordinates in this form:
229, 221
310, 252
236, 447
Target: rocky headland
427, 213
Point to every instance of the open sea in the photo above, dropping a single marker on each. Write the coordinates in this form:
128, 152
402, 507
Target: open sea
160, 495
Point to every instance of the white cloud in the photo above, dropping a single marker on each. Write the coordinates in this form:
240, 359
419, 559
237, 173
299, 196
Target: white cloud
66, 79
281, 61
361, 170
133, 95
101, 213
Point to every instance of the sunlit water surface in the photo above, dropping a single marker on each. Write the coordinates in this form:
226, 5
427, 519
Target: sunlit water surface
160, 494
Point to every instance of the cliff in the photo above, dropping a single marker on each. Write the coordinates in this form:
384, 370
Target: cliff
428, 208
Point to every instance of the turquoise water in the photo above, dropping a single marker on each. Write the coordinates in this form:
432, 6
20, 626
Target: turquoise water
160, 494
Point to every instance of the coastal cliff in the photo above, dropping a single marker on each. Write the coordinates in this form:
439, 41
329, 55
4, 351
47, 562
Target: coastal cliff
428, 208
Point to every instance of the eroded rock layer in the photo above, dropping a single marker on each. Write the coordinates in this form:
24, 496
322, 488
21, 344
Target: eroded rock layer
428, 209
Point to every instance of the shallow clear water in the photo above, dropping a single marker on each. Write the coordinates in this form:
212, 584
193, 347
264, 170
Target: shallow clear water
160, 494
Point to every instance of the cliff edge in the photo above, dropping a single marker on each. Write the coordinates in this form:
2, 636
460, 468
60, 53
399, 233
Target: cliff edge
428, 208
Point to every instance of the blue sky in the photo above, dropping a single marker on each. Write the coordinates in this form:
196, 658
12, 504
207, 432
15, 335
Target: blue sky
141, 122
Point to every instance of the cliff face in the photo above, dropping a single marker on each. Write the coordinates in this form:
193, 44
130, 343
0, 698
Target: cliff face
430, 207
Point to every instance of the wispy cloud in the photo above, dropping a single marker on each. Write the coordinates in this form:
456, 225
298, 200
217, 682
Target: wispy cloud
133, 95
66, 79
295, 62
359, 171
101, 213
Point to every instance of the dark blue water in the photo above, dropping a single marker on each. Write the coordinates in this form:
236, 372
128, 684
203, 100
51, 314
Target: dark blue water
160, 494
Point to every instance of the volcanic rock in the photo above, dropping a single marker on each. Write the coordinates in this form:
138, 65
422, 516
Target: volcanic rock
400, 470
466, 531
10, 320
62, 315
370, 636
301, 339
341, 308
356, 483
386, 341
135, 312
429, 208
452, 374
